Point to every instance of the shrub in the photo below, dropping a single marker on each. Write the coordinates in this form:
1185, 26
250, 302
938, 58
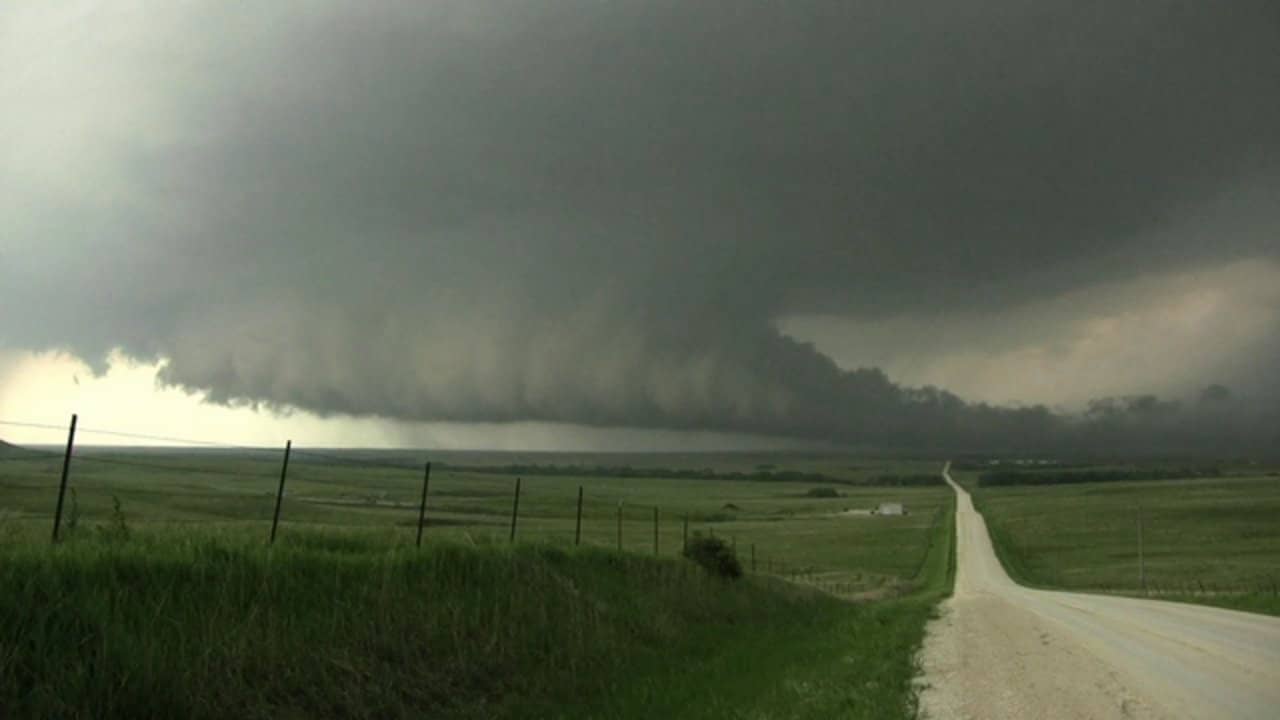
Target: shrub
714, 555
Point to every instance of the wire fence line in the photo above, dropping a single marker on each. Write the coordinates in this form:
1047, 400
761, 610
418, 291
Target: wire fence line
321, 467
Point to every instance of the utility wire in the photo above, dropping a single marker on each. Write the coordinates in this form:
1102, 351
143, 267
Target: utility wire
177, 440
350, 461
141, 436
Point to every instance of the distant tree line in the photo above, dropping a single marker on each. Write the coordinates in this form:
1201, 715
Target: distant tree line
910, 480
627, 471
1001, 478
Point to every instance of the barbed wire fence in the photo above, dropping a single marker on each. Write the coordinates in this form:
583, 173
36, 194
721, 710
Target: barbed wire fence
260, 478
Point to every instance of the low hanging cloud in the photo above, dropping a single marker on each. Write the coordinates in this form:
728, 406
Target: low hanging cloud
600, 213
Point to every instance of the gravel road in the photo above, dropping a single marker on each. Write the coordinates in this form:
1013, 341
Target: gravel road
1000, 650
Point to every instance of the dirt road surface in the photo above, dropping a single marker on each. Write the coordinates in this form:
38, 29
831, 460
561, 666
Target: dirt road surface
1000, 650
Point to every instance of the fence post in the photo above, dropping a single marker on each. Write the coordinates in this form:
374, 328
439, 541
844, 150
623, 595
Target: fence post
1142, 562
577, 530
66, 471
655, 530
753, 557
422, 508
684, 542
284, 469
515, 511
619, 526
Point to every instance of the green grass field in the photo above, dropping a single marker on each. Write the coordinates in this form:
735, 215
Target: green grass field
175, 606
1213, 541
790, 531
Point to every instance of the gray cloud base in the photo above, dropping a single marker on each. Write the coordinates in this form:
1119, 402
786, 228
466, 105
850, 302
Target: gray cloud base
595, 212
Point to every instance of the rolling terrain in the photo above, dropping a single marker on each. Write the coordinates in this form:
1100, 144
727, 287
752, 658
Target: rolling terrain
164, 573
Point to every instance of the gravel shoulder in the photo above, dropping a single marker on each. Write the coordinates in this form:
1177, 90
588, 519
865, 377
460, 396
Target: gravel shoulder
999, 650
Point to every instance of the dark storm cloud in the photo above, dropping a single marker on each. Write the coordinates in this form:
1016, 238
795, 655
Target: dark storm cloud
594, 212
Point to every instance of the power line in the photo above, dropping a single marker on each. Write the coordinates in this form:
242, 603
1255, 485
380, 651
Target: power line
367, 462
141, 436
177, 440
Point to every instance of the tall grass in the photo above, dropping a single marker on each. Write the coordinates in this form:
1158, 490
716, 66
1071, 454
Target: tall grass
192, 624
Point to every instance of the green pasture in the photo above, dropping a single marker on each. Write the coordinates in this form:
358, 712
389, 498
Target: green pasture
1205, 540
174, 605
793, 534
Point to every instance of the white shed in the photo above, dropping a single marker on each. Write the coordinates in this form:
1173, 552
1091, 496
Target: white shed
891, 509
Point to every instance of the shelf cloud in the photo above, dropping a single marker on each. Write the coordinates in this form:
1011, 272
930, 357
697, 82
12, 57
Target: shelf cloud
750, 217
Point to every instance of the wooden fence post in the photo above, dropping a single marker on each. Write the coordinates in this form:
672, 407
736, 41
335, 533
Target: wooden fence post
422, 508
66, 471
684, 543
284, 469
619, 527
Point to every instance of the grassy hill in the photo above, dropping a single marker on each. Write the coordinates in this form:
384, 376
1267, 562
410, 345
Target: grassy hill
200, 623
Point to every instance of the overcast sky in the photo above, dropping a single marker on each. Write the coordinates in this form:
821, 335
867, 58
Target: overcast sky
648, 224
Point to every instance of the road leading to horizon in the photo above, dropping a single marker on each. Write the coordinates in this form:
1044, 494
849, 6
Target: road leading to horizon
1001, 650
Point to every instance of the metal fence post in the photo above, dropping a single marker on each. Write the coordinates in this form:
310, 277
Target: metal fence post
577, 529
284, 470
655, 531
1142, 561
422, 508
515, 511
66, 471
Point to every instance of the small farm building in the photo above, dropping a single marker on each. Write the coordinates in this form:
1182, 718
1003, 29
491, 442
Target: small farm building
891, 509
